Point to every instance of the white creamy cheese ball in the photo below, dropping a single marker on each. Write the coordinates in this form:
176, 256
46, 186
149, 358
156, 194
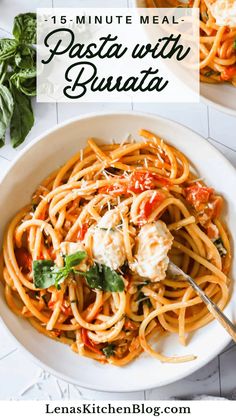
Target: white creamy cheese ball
107, 241
224, 12
110, 219
153, 244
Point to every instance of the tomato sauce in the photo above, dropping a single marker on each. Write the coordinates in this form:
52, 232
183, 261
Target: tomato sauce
24, 259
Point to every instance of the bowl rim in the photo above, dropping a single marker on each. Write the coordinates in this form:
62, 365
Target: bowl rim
42, 364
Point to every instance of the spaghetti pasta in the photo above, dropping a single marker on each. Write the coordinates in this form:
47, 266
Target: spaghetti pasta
217, 41
85, 263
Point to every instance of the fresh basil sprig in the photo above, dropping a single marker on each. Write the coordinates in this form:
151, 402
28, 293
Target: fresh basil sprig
46, 274
18, 79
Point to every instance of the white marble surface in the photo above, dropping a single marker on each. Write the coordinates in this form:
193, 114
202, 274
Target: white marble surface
22, 379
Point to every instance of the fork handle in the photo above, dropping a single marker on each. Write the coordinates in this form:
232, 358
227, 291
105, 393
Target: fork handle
214, 309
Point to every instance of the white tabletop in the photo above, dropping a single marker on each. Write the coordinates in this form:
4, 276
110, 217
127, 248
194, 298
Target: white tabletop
20, 378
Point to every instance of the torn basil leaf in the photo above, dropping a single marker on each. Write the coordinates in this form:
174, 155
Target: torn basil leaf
74, 259
43, 273
109, 350
103, 278
46, 273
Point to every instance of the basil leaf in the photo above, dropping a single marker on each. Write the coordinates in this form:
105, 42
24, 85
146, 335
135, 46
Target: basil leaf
27, 73
26, 86
43, 275
3, 71
46, 273
22, 118
24, 29
25, 81
74, 259
6, 111
60, 275
109, 350
7, 48
18, 73
25, 57
103, 278
234, 44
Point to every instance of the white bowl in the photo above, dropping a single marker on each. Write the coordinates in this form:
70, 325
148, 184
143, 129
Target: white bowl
222, 97
50, 151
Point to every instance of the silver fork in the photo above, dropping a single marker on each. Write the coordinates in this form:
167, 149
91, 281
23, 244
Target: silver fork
174, 270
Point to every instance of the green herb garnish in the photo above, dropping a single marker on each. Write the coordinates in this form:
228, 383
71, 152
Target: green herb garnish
209, 73
103, 278
24, 29
234, 44
22, 117
75, 259
109, 350
46, 274
43, 274
18, 79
